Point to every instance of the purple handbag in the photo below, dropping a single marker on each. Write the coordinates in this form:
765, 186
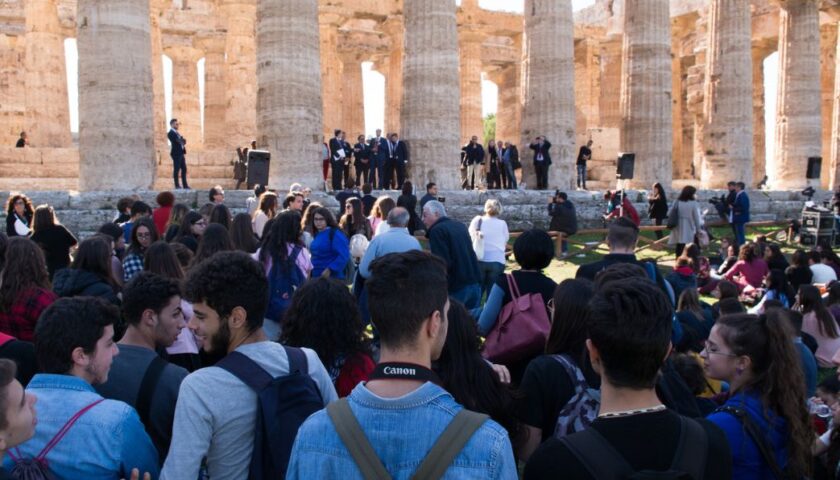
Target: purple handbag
521, 329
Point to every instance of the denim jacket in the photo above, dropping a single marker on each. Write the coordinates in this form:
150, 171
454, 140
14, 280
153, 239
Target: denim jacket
104, 443
401, 430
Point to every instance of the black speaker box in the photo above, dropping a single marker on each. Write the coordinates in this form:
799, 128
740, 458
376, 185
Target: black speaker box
814, 168
258, 163
625, 165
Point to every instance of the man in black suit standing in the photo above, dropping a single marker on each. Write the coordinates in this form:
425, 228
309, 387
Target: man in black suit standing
474, 159
397, 160
361, 151
178, 153
338, 155
542, 160
378, 159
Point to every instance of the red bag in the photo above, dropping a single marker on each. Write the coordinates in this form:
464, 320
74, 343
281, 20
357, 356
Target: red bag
521, 330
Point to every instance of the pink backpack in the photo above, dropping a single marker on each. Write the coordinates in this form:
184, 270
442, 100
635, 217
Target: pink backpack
521, 329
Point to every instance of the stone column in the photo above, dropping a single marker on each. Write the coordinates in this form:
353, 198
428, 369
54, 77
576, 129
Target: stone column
728, 142
548, 88
289, 118
394, 28
798, 120
241, 71
509, 112
332, 82
215, 101
353, 104
759, 124
186, 106
834, 160
587, 86
47, 106
828, 60
12, 88
472, 123
646, 91
611, 65
116, 134
157, 8
430, 116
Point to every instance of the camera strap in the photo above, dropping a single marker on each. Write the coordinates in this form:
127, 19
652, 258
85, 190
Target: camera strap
403, 371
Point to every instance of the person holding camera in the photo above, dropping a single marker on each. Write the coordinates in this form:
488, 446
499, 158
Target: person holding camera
542, 160
563, 218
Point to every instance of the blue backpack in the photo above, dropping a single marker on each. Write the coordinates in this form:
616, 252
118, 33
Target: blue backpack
284, 278
283, 404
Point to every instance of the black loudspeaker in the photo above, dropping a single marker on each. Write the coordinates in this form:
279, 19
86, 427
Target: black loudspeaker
625, 165
258, 162
814, 168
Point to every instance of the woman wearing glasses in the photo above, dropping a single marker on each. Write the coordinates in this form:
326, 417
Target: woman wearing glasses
191, 230
143, 234
18, 216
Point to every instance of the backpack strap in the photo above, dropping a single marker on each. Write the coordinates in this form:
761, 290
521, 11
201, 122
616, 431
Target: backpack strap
147, 389
246, 370
297, 360
597, 455
354, 439
757, 437
692, 449
58, 436
449, 445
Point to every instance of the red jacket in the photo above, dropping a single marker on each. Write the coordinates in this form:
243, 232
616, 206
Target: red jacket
160, 216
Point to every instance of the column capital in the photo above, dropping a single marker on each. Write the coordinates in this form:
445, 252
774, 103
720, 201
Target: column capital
183, 53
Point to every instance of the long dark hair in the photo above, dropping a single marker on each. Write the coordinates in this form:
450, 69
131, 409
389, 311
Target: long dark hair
284, 231
659, 193
176, 215
776, 376
242, 235
215, 239
777, 281
160, 258
688, 194
43, 218
134, 246
25, 268
220, 215
571, 314
810, 301
189, 219
356, 222
799, 258
28, 211
466, 375
307, 223
94, 256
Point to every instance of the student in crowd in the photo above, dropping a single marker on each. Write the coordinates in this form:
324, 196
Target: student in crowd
409, 304
628, 339
757, 357
408, 201
450, 240
53, 238
379, 214
143, 234
253, 202
799, 272
683, 276
749, 271
139, 210
367, 199
19, 213
688, 219
829, 257
266, 210
775, 258
324, 316
124, 209
191, 229
139, 377
696, 321
117, 242
307, 223
17, 412
563, 217
354, 222
330, 248
24, 289
658, 207
215, 239
173, 224
75, 348
494, 235
220, 215
216, 195
818, 322
777, 288
822, 273
161, 215
216, 412
552, 379
294, 201
242, 234
806, 355
90, 274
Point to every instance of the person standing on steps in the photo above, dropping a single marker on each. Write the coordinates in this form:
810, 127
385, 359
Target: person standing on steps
542, 160
584, 155
178, 152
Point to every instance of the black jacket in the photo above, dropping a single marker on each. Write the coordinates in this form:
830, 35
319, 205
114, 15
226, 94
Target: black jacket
450, 241
542, 149
72, 282
10, 224
657, 208
179, 144
563, 217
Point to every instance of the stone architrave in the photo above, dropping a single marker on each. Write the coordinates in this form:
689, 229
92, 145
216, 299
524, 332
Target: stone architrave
548, 88
116, 134
798, 119
289, 115
646, 91
354, 97
241, 72
47, 105
728, 142
430, 118
472, 123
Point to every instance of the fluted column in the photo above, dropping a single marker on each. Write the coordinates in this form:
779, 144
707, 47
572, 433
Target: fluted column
828, 51
47, 106
353, 104
548, 88
241, 72
332, 84
508, 115
394, 28
186, 106
12, 88
289, 118
116, 144
759, 167
472, 123
430, 117
728, 142
798, 120
834, 160
611, 65
215, 97
646, 91
157, 8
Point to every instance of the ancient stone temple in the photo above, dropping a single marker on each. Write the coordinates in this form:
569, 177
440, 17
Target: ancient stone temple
680, 83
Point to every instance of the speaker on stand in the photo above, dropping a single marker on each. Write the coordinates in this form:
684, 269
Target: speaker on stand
624, 171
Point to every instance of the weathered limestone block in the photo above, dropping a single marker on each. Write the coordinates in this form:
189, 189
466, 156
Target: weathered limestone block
472, 123
116, 131
353, 104
395, 28
12, 88
157, 8
331, 76
430, 116
828, 60
289, 108
834, 159
215, 100
241, 74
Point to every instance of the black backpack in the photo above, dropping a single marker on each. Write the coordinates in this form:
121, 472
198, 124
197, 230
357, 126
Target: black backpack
603, 462
283, 403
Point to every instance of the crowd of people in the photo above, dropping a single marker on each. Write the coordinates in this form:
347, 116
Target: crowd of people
291, 339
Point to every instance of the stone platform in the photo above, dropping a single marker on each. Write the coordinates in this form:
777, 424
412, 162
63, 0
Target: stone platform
83, 213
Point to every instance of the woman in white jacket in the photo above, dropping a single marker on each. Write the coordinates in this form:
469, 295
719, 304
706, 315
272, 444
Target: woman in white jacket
688, 219
493, 232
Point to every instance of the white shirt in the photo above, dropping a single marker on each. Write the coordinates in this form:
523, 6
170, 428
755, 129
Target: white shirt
496, 236
822, 273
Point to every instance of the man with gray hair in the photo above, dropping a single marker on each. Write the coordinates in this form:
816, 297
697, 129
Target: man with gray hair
450, 240
395, 240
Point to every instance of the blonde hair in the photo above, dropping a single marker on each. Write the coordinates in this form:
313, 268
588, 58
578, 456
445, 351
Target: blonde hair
492, 207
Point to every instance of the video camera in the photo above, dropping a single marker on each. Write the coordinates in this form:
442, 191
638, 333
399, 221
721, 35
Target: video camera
720, 206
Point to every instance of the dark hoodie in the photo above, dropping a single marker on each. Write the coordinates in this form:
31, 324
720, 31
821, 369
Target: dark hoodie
72, 282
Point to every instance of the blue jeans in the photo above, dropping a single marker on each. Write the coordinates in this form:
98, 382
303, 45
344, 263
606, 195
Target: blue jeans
489, 272
511, 177
740, 234
581, 176
470, 295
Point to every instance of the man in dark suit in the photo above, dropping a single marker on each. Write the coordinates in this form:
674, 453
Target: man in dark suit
338, 154
474, 159
348, 149
740, 213
361, 151
542, 160
178, 153
397, 161
378, 158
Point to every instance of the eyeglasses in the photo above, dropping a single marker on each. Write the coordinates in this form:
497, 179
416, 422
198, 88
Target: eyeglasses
712, 349
19, 202
200, 223
144, 235
319, 219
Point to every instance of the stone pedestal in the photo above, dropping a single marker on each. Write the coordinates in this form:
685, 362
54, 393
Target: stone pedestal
353, 104
798, 120
472, 123
116, 143
728, 141
215, 101
241, 72
47, 107
185, 102
646, 91
430, 116
548, 88
289, 120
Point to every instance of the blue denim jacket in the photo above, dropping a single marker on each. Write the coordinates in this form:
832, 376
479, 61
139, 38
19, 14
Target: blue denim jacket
104, 443
401, 431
